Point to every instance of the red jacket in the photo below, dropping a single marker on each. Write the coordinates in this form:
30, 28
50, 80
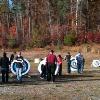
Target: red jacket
59, 60
51, 58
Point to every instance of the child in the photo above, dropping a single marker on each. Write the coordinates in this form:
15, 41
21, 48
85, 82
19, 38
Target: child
59, 64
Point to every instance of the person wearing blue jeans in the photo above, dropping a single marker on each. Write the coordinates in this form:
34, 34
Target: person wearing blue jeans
79, 59
19, 66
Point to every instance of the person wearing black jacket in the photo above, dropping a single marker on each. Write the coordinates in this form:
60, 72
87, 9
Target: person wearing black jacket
19, 62
12, 57
4, 63
67, 58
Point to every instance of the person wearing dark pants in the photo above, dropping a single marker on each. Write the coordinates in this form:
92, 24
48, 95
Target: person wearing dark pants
51, 66
79, 68
43, 74
4, 63
68, 57
79, 59
68, 67
43, 68
82, 65
51, 72
5, 75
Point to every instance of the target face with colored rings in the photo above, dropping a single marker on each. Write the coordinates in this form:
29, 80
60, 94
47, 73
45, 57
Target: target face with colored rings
73, 64
25, 68
96, 63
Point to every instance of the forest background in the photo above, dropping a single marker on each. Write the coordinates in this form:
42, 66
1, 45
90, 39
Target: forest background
41, 23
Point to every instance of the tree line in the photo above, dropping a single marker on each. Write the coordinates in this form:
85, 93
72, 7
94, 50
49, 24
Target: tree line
37, 23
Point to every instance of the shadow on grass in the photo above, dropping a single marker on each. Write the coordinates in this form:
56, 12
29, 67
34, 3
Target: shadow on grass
35, 79
70, 78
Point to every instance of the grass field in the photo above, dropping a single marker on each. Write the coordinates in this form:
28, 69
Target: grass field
75, 86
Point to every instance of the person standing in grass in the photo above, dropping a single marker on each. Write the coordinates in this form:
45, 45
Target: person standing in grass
51, 66
4, 63
19, 66
67, 58
83, 62
59, 63
80, 63
43, 68
12, 57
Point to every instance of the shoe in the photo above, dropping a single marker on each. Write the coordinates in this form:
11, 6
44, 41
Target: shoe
41, 78
52, 82
79, 73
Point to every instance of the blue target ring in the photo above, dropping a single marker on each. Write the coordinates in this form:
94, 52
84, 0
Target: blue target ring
25, 69
73, 64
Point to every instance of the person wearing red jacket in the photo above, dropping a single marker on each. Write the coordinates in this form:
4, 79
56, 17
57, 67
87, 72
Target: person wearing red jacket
51, 66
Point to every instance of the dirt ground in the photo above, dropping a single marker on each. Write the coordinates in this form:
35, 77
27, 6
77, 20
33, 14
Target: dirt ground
75, 86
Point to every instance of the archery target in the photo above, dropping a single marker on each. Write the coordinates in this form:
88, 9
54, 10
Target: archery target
25, 69
57, 69
73, 64
96, 63
39, 68
43, 62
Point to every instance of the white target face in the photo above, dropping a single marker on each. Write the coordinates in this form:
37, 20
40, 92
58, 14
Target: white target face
25, 69
96, 63
39, 68
57, 69
36, 60
73, 64
43, 62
